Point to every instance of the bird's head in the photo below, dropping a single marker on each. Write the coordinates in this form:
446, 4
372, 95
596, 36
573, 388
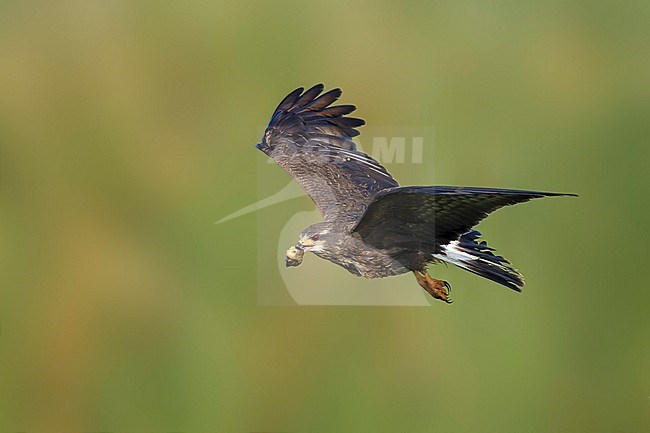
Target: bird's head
315, 238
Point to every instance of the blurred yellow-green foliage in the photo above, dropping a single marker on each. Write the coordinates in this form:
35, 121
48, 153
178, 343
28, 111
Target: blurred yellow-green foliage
127, 129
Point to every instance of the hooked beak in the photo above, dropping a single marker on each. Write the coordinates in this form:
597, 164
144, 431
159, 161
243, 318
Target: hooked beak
263, 147
305, 244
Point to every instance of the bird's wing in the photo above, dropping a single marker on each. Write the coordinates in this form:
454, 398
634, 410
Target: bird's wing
312, 141
426, 217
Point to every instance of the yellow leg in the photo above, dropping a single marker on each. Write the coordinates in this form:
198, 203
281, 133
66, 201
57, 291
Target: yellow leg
437, 288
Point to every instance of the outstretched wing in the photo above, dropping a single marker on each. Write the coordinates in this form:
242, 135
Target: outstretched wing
424, 218
312, 141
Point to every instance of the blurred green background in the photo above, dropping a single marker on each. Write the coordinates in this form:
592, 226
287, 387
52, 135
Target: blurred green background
127, 130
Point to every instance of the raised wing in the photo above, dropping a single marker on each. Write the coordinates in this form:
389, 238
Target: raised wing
424, 218
312, 141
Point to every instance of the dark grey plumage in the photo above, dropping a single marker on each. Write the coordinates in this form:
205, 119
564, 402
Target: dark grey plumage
372, 226
312, 141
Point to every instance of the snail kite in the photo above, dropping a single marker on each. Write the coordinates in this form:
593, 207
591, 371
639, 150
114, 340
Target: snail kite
372, 226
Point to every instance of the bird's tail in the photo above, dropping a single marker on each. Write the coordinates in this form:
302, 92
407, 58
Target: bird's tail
476, 256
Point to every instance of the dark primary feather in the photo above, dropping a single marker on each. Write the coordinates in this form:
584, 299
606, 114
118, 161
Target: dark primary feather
289, 100
427, 217
312, 141
327, 98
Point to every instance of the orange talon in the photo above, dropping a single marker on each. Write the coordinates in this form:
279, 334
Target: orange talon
439, 289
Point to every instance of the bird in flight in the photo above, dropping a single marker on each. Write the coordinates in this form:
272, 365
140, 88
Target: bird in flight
372, 226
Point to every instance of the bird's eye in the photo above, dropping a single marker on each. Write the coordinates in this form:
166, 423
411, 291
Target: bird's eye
315, 238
